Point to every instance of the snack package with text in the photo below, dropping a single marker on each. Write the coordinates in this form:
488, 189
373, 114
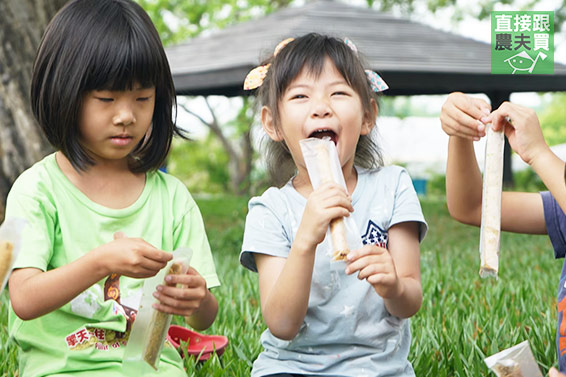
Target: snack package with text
150, 327
323, 165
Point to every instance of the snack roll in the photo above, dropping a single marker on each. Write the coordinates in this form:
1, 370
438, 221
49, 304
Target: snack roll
491, 203
160, 324
150, 327
10, 237
323, 166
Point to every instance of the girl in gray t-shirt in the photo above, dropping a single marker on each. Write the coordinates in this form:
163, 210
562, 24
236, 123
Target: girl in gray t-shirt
323, 317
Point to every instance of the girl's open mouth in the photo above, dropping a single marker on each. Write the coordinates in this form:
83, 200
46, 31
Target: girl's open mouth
319, 134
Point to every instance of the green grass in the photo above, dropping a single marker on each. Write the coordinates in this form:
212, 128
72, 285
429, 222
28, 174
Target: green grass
463, 318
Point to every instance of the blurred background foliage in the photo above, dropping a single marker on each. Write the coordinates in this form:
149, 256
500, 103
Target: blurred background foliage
226, 160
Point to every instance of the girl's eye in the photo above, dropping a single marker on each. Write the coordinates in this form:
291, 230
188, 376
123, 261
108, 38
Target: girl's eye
339, 93
298, 96
105, 99
143, 99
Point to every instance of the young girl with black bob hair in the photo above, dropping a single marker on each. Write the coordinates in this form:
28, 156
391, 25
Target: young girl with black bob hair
328, 318
100, 216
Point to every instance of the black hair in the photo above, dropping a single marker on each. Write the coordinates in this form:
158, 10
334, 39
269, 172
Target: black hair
310, 52
101, 45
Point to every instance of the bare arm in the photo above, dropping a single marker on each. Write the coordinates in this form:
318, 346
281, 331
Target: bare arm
284, 287
34, 293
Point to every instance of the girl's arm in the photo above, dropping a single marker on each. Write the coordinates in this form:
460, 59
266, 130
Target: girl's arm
284, 283
520, 212
394, 273
284, 288
34, 293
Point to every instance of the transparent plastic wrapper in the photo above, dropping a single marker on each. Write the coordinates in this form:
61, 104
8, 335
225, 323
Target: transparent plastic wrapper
150, 327
323, 165
10, 236
491, 203
517, 361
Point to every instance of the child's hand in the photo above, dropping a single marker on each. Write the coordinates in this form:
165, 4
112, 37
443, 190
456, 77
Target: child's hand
376, 265
132, 257
555, 373
184, 300
326, 203
522, 128
461, 114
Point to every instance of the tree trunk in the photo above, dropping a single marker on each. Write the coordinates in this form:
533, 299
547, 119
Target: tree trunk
22, 23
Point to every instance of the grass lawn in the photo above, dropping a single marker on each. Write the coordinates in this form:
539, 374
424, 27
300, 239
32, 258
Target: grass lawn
463, 318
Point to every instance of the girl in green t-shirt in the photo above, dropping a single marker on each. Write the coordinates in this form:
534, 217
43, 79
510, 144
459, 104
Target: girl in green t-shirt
100, 216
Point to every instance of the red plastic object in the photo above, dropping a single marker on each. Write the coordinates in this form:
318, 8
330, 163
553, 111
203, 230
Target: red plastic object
198, 344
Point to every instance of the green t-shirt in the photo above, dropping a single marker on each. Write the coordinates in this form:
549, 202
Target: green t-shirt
87, 336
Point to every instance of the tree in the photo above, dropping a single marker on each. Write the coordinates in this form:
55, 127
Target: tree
21, 142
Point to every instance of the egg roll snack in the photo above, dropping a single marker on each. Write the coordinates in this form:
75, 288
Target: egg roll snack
508, 368
491, 204
6, 256
337, 228
159, 325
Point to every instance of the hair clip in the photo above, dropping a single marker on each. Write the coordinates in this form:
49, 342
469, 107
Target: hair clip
255, 77
377, 84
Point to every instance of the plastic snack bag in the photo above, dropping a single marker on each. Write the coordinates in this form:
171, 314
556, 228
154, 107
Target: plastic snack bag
10, 236
323, 165
150, 327
491, 203
517, 361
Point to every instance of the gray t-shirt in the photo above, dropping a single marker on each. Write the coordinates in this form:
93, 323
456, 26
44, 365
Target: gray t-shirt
347, 330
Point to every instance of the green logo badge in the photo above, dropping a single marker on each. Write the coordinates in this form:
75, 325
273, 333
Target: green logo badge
522, 42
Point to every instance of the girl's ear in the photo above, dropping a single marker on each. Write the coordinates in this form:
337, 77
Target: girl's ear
269, 124
369, 118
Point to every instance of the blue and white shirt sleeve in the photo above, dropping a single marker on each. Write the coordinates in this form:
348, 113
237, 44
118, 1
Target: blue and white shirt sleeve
264, 232
555, 224
407, 206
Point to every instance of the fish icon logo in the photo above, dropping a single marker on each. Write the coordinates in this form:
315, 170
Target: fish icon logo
523, 61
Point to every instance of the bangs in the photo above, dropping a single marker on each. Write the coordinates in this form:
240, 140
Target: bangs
310, 56
122, 57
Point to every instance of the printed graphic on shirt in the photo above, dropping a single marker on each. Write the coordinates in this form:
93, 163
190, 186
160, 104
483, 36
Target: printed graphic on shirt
102, 339
374, 235
561, 341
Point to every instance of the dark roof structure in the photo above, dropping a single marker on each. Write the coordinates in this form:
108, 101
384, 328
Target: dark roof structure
413, 58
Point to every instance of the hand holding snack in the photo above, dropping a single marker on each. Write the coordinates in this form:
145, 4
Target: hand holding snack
461, 114
133, 257
522, 128
326, 203
323, 166
376, 265
182, 294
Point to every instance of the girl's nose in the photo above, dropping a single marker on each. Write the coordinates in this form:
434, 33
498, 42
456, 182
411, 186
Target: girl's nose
321, 109
124, 117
